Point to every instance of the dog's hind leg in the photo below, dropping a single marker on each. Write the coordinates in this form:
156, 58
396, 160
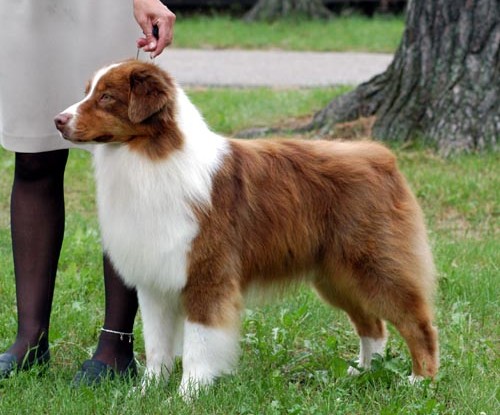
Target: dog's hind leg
161, 318
370, 329
372, 338
401, 293
421, 337
397, 294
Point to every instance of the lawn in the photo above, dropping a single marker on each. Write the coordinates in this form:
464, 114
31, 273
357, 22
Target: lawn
295, 352
342, 33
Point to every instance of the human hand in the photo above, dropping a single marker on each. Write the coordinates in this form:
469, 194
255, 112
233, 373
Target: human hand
150, 13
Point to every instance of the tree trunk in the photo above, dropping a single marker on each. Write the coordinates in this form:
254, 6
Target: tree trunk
275, 9
443, 84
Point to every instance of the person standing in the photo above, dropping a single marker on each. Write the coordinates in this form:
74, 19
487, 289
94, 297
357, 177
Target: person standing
50, 49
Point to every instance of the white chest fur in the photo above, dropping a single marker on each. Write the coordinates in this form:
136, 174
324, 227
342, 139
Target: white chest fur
145, 208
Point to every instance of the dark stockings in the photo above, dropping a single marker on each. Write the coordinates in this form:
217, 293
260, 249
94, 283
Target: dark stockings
121, 308
37, 226
37, 223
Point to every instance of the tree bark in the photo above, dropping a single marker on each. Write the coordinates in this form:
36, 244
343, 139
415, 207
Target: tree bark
443, 84
275, 9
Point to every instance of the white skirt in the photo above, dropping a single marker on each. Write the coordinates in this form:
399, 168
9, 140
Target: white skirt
50, 48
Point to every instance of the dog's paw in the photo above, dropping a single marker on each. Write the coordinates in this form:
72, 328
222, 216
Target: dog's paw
135, 391
144, 387
190, 387
415, 379
352, 371
357, 369
151, 377
189, 390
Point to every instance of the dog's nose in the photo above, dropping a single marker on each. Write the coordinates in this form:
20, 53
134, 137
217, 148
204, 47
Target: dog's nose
62, 119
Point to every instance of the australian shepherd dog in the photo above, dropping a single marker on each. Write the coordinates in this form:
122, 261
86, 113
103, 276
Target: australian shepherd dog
193, 220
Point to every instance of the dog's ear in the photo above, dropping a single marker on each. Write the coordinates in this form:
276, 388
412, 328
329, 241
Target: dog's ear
148, 94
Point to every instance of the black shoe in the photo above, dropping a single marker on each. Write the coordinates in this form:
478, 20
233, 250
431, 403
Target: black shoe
93, 372
9, 364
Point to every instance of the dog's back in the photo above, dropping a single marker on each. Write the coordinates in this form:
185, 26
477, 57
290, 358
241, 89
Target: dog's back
311, 202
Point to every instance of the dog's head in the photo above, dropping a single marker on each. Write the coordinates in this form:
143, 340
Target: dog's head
130, 102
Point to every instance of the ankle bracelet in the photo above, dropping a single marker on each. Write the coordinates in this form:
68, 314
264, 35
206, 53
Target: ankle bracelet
120, 333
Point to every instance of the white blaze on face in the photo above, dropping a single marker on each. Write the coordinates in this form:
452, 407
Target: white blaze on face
73, 109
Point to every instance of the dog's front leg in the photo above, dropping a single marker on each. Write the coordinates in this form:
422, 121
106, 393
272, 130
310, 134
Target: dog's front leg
208, 352
161, 317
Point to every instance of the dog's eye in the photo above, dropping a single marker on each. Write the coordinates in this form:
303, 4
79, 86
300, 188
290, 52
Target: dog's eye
105, 98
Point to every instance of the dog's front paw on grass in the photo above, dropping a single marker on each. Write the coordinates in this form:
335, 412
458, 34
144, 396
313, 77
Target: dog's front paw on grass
190, 388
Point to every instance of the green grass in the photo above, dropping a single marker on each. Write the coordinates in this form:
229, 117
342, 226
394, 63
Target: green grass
343, 33
295, 352
231, 111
